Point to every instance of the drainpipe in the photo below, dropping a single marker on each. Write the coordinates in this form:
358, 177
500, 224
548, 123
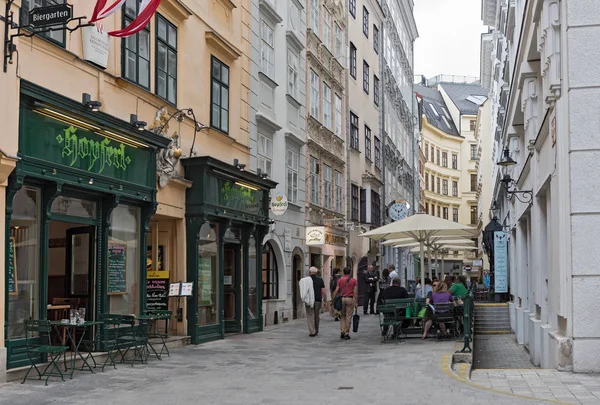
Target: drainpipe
383, 201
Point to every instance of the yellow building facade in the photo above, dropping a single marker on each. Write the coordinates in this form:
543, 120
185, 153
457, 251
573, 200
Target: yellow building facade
452, 150
176, 91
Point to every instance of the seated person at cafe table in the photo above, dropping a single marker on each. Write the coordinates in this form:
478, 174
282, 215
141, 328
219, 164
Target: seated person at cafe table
459, 290
393, 292
440, 295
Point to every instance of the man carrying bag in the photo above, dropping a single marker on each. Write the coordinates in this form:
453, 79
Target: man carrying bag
347, 288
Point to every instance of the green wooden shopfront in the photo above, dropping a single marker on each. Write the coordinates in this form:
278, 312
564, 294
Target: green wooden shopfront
77, 211
227, 217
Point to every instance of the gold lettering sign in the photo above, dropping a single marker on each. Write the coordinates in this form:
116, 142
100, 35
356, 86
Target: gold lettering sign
332, 239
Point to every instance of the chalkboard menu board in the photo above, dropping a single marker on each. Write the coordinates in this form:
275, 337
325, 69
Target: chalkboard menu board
117, 268
157, 294
12, 268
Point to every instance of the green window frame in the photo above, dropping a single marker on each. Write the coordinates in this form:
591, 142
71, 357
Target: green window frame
219, 95
56, 37
165, 76
135, 49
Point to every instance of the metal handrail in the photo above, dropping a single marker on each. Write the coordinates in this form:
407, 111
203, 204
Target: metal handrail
468, 308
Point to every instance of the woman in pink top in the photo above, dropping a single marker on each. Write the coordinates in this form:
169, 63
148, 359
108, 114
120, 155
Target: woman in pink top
440, 295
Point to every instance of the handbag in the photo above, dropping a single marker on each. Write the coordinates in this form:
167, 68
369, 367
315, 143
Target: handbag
337, 301
355, 321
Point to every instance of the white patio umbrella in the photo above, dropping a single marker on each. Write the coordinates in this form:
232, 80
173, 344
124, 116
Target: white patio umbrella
421, 228
436, 247
433, 242
440, 248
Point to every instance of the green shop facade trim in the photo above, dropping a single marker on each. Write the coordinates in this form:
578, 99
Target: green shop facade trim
67, 150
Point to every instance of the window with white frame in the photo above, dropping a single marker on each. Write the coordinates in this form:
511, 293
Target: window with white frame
314, 16
327, 187
292, 164
293, 68
338, 116
314, 95
265, 153
314, 180
339, 40
339, 179
267, 50
327, 20
327, 106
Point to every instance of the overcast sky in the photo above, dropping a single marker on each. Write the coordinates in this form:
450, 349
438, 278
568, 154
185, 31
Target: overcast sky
449, 37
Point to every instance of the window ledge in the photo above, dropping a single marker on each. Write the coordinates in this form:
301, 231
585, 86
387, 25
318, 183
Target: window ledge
270, 82
220, 43
273, 300
293, 100
295, 139
353, 149
268, 11
294, 41
265, 121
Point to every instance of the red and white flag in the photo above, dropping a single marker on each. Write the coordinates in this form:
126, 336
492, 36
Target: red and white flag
147, 10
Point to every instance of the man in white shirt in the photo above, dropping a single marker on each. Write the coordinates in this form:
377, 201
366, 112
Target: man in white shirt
393, 273
307, 295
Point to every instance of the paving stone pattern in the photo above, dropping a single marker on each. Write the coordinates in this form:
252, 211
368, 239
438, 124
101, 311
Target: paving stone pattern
543, 384
280, 366
500, 351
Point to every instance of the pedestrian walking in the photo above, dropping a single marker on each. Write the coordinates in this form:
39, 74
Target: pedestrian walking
371, 278
337, 274
347, 287
307, 295
320, 294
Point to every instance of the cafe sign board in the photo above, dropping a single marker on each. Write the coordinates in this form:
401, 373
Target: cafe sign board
52, 15
315, 235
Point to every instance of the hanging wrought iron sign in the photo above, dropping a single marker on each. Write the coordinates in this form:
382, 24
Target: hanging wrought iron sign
56, 17
58, 14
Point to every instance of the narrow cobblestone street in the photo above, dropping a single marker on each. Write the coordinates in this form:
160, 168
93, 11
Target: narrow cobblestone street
280, 366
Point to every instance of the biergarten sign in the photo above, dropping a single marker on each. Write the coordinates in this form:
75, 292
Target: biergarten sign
52, 15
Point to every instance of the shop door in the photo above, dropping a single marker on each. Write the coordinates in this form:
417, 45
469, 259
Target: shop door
80, 262
232, 287
297, 268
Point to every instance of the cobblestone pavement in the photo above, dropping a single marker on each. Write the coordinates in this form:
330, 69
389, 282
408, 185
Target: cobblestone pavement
500, 351
503, 365
542, 384
280, 366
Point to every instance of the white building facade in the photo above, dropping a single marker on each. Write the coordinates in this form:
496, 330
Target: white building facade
278, 146
399, 123
364, 146
544, 84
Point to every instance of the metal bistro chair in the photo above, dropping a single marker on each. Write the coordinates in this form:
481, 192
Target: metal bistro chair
39, 346
110, 337
444, 313
388, 321
162, 335
133, 337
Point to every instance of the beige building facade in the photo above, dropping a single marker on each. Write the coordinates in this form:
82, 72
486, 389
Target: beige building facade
326, 101
175, 92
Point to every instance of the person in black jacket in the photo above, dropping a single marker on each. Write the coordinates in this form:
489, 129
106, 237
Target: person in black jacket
371, 278
394, 292
336, 275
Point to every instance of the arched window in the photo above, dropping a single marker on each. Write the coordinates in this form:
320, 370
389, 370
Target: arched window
270, 275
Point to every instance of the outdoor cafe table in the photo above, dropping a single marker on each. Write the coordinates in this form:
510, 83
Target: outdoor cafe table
76, 341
